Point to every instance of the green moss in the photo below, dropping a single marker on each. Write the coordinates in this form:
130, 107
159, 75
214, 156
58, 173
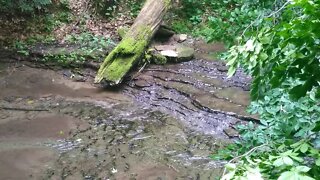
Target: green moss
167, 3
127, 46
159, 59
118, 68
122, 31
105, 63
123, 63
124, 57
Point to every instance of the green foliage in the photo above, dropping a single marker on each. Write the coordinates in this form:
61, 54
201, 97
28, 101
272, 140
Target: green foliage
281, 118
222, 20
287, 139
181, 26
283, 58
90, 41
105, 7
24, 6
277, 161
92, 47
289, 49
109, 8
135, 6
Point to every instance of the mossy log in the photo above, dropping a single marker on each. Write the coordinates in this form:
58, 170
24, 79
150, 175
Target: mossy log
132, 48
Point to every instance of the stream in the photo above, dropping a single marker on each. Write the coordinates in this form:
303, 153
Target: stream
163, 123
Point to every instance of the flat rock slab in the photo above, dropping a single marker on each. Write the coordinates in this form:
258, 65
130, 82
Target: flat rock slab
175, 53
185, 53
169, 53
165, 47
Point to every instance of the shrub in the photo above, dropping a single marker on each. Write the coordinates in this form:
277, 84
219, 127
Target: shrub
19, 7
222, 20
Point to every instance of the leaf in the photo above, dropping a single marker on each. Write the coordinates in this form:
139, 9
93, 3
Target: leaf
304, 147
303, 177
263, 56
303, 169
249, 46
317, 94
317, 127
232, 61
230, 166
287, 175
279, 162
287, 161
293, 175
265, 40
283, 161
254, 174
298, 92
318, 162
258, 48
229, 175
231, 71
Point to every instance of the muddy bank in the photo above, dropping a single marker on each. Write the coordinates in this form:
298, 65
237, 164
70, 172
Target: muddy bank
163, 124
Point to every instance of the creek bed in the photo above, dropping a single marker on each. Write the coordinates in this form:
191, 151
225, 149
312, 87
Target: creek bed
163, 124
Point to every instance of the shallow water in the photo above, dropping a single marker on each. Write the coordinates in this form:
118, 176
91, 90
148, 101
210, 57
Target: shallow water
163, 124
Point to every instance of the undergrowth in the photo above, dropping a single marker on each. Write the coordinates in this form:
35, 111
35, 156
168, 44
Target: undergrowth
282, 56
110, 8
87, 46
220, 20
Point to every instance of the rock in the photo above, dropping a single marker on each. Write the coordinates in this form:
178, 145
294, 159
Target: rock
142, 83
67, 73
164, 47
230, 132
169, 53
79, 78
182, 38
185, 53
222, 68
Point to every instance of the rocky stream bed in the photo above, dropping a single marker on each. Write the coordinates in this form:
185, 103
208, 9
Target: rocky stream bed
163, 123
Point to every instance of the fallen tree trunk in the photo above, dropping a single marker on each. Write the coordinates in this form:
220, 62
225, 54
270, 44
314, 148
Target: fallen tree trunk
132, 48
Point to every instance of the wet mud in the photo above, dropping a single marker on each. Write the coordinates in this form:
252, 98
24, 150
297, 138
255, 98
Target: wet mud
162, 124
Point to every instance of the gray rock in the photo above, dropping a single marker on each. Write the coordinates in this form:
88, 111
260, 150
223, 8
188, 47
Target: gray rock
182, 37
184, 53
169, 53
230, 132
177, 53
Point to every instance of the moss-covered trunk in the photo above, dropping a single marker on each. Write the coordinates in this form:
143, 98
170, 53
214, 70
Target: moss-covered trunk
131, 49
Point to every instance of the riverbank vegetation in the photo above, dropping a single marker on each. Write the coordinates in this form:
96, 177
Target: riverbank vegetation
282, 56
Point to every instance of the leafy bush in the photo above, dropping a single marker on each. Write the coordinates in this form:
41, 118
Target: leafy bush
87, 47
276, 161
24, 6
223, 20
283, 58
109, 8
289, 49
285, 145
92, 47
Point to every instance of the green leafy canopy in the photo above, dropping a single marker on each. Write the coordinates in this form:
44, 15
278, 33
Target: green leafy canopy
283, 57
284, 50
